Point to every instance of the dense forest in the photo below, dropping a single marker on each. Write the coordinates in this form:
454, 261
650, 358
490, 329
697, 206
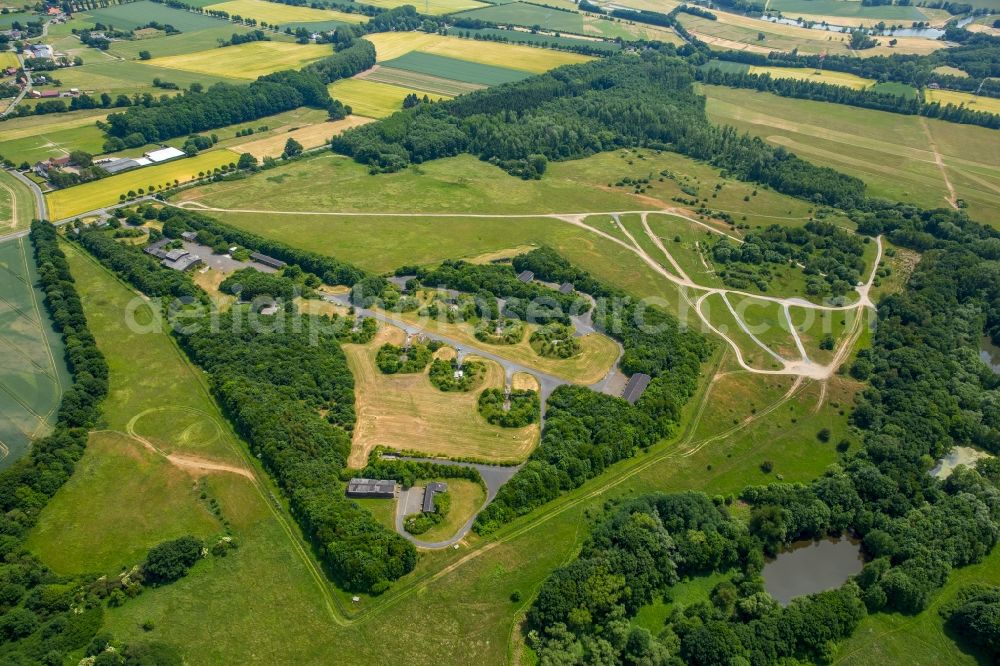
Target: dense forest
929, 391
623, 100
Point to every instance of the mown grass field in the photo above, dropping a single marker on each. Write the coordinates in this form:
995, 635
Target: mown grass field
405, 79
374, 99
467, 498
17, 204
521, 13
33, 372
970, 101
99, 193
41, 146
845, 9
246, 61
407, 412
458, 70
130, 77
433, 7
186, 42
134, 14
391, 45
8, 59
890, 152
817, 76
280, 14
310, 136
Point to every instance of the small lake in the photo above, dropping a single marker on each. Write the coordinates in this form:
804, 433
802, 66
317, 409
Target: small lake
812, 566
928, 33
990, 354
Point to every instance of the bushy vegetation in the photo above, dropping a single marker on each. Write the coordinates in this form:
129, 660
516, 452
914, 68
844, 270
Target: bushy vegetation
555, 341
419, 523
393, 359
44, 615
249, 283
136, 267
522, 407
170, 560
407, 472
442, 375
504, 331
975, 616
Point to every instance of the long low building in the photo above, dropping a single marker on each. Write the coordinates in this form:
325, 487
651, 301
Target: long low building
636, 386
430, 491
371, 488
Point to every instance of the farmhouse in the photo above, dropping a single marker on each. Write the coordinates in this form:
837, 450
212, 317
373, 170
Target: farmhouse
118, 164
526, 276
430, 491
41, 51
266, 260
635, 387
371, 488
42, 168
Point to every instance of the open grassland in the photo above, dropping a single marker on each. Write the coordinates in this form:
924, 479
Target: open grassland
33, 371
432, 7
467, 499
815, 75
45, 144
458, 70
844, 9
310, 136
374, 99
246, 61
17, 204
134, 14
715, 309
407, 412
186, 42
99, 193
968, 100
134, 497
280, 14
921, 639
8, 59
894, 154
130, 77
27, 126
766, 321
402, 78
391, 45
814, 325
526, 14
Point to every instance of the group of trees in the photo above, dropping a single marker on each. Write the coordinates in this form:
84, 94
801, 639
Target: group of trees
43, 614
555, 341
570, 112
975, 616
514, 409
393, 359
249, 284
443, 374
138, 268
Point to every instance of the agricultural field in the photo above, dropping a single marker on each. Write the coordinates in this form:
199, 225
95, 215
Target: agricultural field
455, 69
130, 77
171, 45
374, 99
17, 204
246, 61
105, 192
432, 7
8, 59
33, 372
521, 13
281, 14
974, 102
404, 79
845, 9
407, 412
310, 136
131, 15
392, 45
895, 155
815, 75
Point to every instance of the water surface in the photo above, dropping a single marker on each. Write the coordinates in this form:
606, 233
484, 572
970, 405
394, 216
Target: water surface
806, 567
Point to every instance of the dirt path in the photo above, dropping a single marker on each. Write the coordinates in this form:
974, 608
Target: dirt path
952, 198
186, 462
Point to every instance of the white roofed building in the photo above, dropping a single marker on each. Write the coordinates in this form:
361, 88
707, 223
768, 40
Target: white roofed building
164, 154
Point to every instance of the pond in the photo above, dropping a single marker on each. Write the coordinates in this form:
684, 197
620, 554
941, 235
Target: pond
812, 566
990, 354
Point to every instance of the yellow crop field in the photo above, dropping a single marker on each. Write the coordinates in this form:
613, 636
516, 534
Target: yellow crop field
374, 99
105, 192
8, 59
988, 104
818, 76
310, 136
389, 45
434, 7
247, 61
279, 14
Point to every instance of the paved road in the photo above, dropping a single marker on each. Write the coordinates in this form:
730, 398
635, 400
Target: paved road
410, 500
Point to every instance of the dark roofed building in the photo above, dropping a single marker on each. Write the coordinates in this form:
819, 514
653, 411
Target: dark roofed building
156, 249
189, 235
430, 491
637, 384
266, 260
183, 262
566, 288
526, 276
371, 488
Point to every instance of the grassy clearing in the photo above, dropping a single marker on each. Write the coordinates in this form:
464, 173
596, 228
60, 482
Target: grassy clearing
44, 145
458, 70
20, 128
715, 310
467, 498
814, 325
105, 192
384, 510
391, 45
130, 77
281, 14
311, 136
373, 99
521, 13
974, 102
408, 412
246, 61
816, 76
33, 372
845, 9
169, 45
17, 205
134, 14
433, 7
888, 151
405, 79
766, 320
